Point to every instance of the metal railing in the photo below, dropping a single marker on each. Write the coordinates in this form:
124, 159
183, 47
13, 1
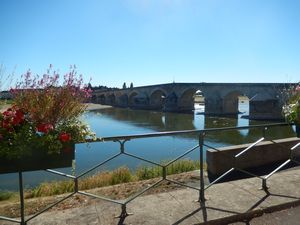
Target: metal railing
122, 140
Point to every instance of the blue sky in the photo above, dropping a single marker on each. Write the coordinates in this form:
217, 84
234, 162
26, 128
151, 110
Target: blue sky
154, 41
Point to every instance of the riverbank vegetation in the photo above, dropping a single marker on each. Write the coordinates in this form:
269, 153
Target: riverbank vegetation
6, 101
103, 179
4, 104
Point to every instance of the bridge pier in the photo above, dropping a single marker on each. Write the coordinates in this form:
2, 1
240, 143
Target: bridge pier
221, 107
122, 101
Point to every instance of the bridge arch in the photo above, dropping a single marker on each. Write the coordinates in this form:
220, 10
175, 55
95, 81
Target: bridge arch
189, 98
123, 100
157, 98
111, 99
232, 102
131, 98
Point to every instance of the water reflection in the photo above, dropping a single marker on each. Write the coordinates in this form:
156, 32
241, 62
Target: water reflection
241, 123
158, 121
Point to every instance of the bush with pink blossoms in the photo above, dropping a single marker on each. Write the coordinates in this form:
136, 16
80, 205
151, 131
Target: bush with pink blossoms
49, 102
46, 113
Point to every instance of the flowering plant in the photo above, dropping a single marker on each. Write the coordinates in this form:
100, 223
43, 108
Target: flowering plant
45, 115
291, 108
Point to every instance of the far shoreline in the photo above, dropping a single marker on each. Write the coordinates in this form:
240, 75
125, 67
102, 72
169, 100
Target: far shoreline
94, 106
89, 107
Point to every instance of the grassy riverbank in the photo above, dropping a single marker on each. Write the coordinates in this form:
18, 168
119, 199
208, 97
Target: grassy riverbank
103, 179
5, 104
11, 208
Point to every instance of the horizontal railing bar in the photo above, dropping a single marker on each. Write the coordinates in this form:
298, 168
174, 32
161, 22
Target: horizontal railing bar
278, 168
100, 197
142, 192
249, 147
184, 154
182, 184
49, 207
100, 164
147, 135
171, 133
9, 219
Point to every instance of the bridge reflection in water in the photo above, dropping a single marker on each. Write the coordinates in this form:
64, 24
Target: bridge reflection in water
166, 121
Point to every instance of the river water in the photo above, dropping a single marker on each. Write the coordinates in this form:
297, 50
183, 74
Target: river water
117, 122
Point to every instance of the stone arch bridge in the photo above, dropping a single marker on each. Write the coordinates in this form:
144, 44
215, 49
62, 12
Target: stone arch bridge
219, 98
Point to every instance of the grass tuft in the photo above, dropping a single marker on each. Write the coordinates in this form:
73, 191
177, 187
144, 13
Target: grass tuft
6, 195
145, 173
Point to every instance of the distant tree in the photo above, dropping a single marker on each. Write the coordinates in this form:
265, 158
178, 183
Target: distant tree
104, 88
124, 85
131, 85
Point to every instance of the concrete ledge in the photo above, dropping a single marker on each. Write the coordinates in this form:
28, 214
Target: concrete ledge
264, 153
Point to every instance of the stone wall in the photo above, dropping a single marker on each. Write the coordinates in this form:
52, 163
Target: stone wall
264, 153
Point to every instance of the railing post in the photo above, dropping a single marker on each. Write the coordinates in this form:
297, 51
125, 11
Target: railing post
264, 180
201, 142
122, 145
124, 213
22, 199
122, 149
264, 184
76, 185
164, 172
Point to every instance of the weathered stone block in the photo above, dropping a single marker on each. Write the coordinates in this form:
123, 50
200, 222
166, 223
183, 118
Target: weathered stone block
262, 154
